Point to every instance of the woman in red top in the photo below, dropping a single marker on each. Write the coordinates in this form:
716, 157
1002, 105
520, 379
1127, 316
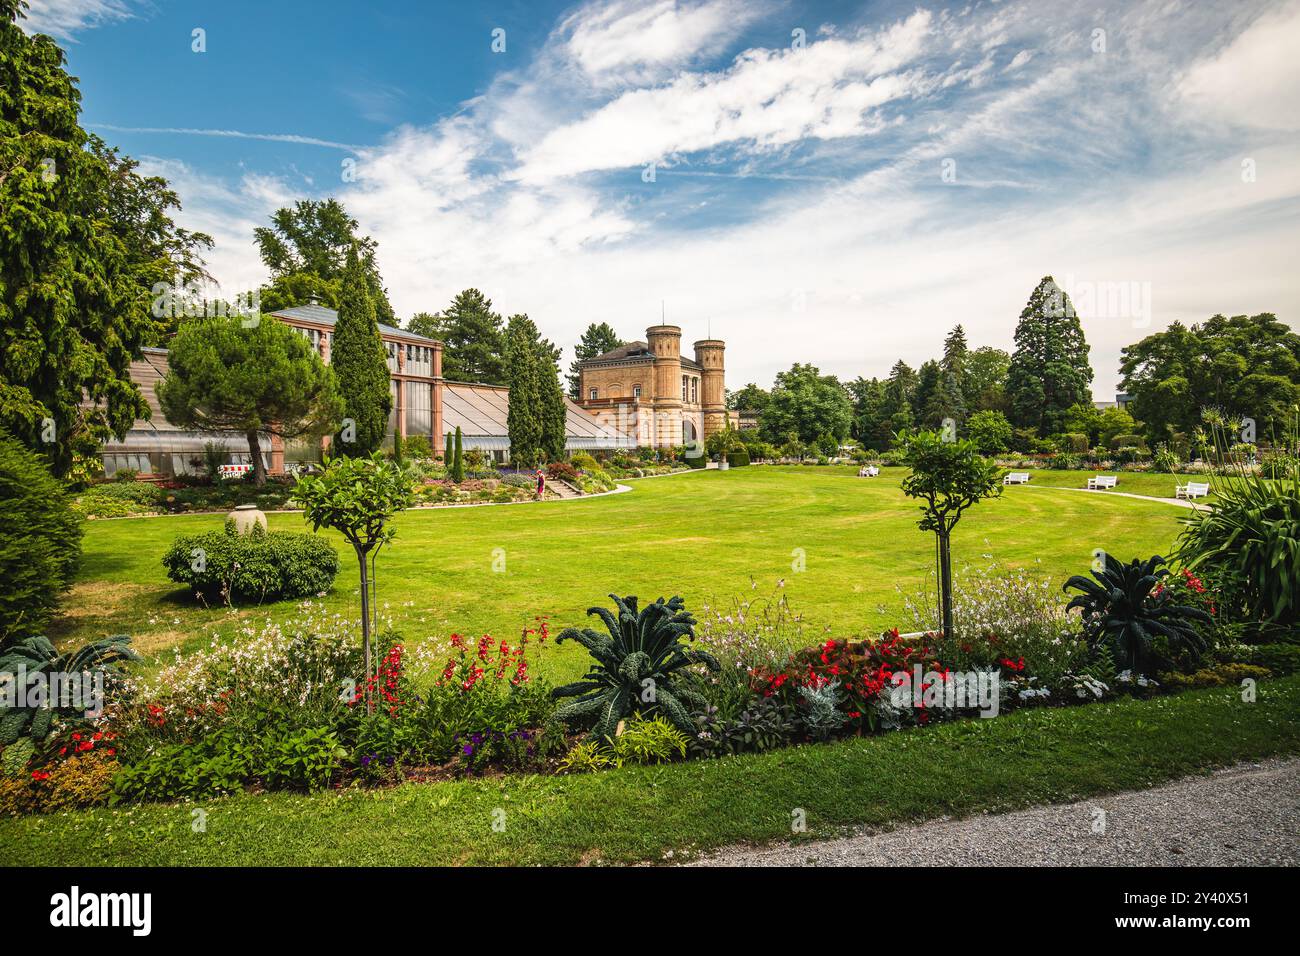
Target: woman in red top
541, 484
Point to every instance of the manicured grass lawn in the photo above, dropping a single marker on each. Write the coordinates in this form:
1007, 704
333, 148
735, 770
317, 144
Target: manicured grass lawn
1022, 758
703, 535
1133, 482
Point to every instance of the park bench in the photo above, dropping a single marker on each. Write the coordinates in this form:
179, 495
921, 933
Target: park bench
1102, 482
1193, 489
868, 471
1016, 478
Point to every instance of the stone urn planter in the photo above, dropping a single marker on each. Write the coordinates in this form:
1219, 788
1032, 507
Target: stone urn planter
723, 464
244, 517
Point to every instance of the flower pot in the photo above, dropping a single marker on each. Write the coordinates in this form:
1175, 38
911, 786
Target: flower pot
723, 465
244, 517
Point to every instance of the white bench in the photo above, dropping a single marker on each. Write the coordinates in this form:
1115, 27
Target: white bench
1016, 478
1102, 482
1193, 489
868, 471
233, 471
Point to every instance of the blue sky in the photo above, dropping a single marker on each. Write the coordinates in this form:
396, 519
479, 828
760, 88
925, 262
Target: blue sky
837, 183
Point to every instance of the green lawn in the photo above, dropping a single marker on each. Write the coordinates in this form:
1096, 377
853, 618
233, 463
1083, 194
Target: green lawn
640, 813
703, 535
1132, 482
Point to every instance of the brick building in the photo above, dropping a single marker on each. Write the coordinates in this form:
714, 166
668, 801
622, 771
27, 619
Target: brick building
654, 395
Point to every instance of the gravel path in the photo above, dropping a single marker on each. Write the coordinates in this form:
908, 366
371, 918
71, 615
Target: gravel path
1247, 815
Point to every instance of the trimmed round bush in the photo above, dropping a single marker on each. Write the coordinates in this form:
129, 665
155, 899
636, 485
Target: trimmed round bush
260, 565
737, 458
40, 540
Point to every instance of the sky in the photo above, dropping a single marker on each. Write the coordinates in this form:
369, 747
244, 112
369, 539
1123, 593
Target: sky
837, 183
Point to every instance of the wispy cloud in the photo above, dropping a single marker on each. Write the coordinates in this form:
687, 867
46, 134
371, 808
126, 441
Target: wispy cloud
227, 133
65, 18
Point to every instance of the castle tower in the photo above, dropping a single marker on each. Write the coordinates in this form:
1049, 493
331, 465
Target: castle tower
665, 342
713, 401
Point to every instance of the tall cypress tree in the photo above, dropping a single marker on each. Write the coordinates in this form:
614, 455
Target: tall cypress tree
524, 419
553, 408
458, 458
360, 362
1049, 369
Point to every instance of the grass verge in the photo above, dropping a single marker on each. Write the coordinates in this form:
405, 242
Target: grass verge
1026, 757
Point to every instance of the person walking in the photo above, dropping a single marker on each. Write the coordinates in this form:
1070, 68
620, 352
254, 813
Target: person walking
541, 484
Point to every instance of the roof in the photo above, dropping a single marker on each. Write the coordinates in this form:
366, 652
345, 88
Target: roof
323, 316
633, 353
480, 411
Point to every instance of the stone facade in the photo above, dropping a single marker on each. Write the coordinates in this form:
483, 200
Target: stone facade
648, 391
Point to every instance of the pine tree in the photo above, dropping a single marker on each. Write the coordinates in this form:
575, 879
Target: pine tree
473, 340
458, 459
950, 401
926, 409
1049, 369
899, 390
597, 340
524, 419
360, 362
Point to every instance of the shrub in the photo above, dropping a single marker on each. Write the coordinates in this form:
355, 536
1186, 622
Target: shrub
1128, 441
641, 655
738, 458
1248, 543
585, 756
1165, 460
1281, 659
210, 767
697, 461
40, 540
417, 447
1126, 611
562, 469
583, 461
649, 742
260, 565
304, 760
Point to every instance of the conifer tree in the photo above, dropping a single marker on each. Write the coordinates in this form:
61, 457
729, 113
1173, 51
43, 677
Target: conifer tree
458, 459
1049, 369
524, 419
360, 363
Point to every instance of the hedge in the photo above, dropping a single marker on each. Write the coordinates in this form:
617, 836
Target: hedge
737, 458
261, 565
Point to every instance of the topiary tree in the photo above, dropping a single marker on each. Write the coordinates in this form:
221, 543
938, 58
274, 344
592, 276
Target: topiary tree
40, 540
357, 497
361, 363
949, 477
449, 454
225, 375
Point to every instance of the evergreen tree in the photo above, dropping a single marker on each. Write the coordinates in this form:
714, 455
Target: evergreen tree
1049, 369
82, 238
473, 340
926, 401
524, 421
597, 340
450, 454
900, 389
360, 362
555, 411
951, 400
263, 380
458, 458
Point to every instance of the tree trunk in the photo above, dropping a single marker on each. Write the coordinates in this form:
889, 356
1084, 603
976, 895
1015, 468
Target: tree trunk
365, 627
945, 574
255, 452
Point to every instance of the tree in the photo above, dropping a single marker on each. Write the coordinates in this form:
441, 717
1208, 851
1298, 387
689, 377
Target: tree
1049, 369
597, 340
307, 249
871, 425
473, 340
1247, 366
449, 455
555, 411
927, 404
808, 405
900, 388
949, 477
524, 418
361, 363
986, 379
458, 458
81, 239
751, 398
40, 540
990, 431
952, 377
266, 379
357, 497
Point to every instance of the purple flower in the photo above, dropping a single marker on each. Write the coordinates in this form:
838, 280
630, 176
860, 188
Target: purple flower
467, 750
477, 738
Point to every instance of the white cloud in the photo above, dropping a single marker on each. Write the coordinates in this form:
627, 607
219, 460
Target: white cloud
825, 90
625, 40
1255, 79
63, 18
